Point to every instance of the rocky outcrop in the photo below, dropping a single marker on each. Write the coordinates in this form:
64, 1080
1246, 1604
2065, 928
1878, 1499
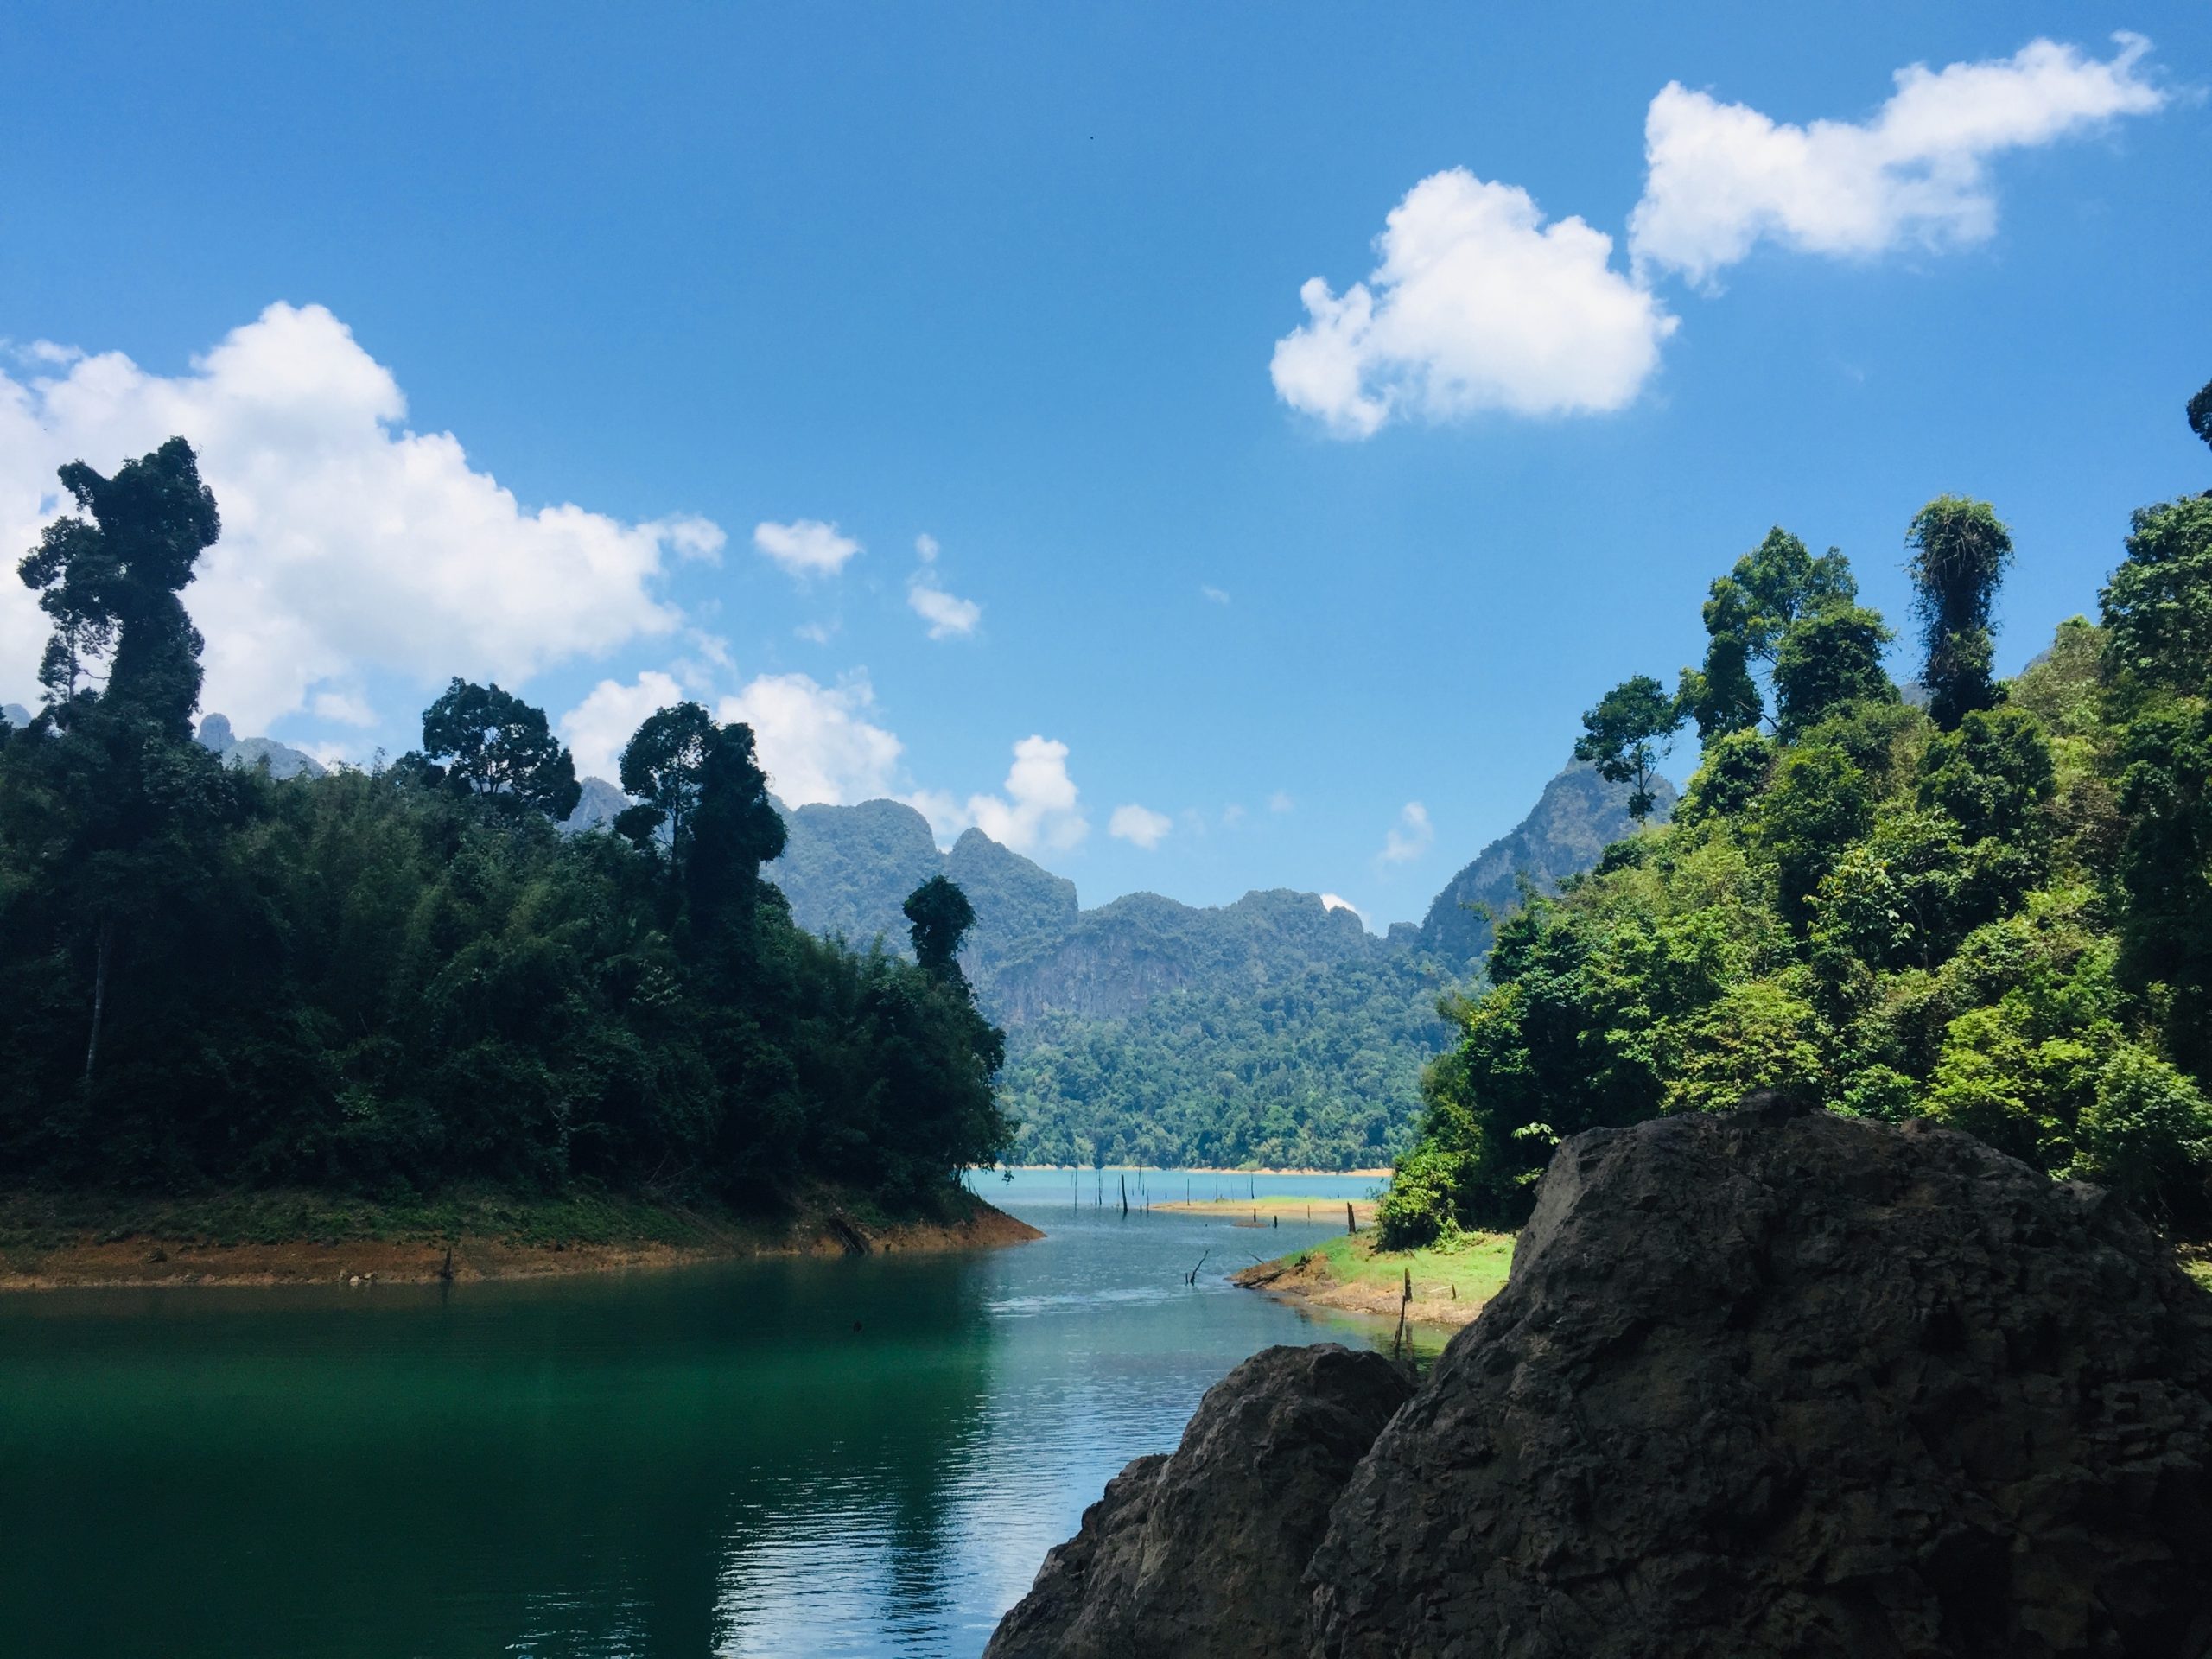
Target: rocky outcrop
247, 752
1773, 1382
1197, 1555
1575, 819
598, 804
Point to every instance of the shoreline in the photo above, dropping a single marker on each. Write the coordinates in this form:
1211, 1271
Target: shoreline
1451, 1288
632, 1236
1383, 1174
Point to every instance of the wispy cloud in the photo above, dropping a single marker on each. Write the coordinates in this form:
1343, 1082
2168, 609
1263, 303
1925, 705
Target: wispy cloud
806, 546
1410, 836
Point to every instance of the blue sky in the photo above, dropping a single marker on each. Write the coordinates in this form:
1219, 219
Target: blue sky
1014, 280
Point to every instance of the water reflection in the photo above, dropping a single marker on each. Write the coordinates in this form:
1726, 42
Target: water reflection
707, 1461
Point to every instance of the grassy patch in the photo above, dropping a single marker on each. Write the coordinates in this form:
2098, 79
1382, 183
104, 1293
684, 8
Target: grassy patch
1474, 1264
2196, 1261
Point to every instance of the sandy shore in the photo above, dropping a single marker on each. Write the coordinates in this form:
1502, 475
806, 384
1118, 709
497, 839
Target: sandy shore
147, 1260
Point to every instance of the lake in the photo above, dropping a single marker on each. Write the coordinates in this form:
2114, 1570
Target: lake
861, 1456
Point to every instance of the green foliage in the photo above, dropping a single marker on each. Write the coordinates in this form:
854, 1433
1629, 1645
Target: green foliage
660, 769
1993, 775
941, 917
1818, 804
2149, 1130
2158, 608
110, 585
1959, 556
1827, 662
1626, 735
400, 981
1999, 919
1748, 614
2165, 867
1729, 779
490, 744
2200, 412
1318, 1070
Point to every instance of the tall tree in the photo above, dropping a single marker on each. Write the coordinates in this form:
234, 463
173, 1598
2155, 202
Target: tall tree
2200, 413
1624, 736
111, 582
661, 767
1747, 615
1959, 553
1828, 660
491, 744
136, 792
736, 829
941, 916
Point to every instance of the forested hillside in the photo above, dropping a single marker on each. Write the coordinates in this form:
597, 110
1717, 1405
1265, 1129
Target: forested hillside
388, 981
1994, 912
1273, 1031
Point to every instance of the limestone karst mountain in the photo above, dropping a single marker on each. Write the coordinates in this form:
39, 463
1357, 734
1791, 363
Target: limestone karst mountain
1276, 1028
1576, 819
247, 752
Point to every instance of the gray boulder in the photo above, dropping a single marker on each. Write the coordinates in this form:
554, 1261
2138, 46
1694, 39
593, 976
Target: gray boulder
1775, 1382
1199, 1554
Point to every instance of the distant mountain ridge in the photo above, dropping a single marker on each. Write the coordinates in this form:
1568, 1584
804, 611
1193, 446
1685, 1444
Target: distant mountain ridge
1274, 1029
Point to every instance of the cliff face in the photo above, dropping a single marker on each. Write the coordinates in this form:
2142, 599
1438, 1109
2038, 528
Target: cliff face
1576, 819
1766, 1383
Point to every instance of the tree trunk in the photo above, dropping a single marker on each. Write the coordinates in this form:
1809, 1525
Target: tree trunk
100, 994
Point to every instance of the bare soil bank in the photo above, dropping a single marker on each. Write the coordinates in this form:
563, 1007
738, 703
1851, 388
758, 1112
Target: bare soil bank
54, 1243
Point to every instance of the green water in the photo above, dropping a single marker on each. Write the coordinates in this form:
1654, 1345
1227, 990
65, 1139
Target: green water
838, 1458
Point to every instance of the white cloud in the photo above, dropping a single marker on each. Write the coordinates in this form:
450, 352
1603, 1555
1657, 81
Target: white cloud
926, 548
948, 617
349, 543
1140, 825
598, 729
815, 741
806, 547
1476, 303
817, 633
346, 707
1232, 815
1338, 901
1218, 596
1040, 808
1281, 800
1410, 836
1723, 176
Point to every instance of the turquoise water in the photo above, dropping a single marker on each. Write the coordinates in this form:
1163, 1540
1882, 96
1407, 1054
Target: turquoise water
837, 1456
